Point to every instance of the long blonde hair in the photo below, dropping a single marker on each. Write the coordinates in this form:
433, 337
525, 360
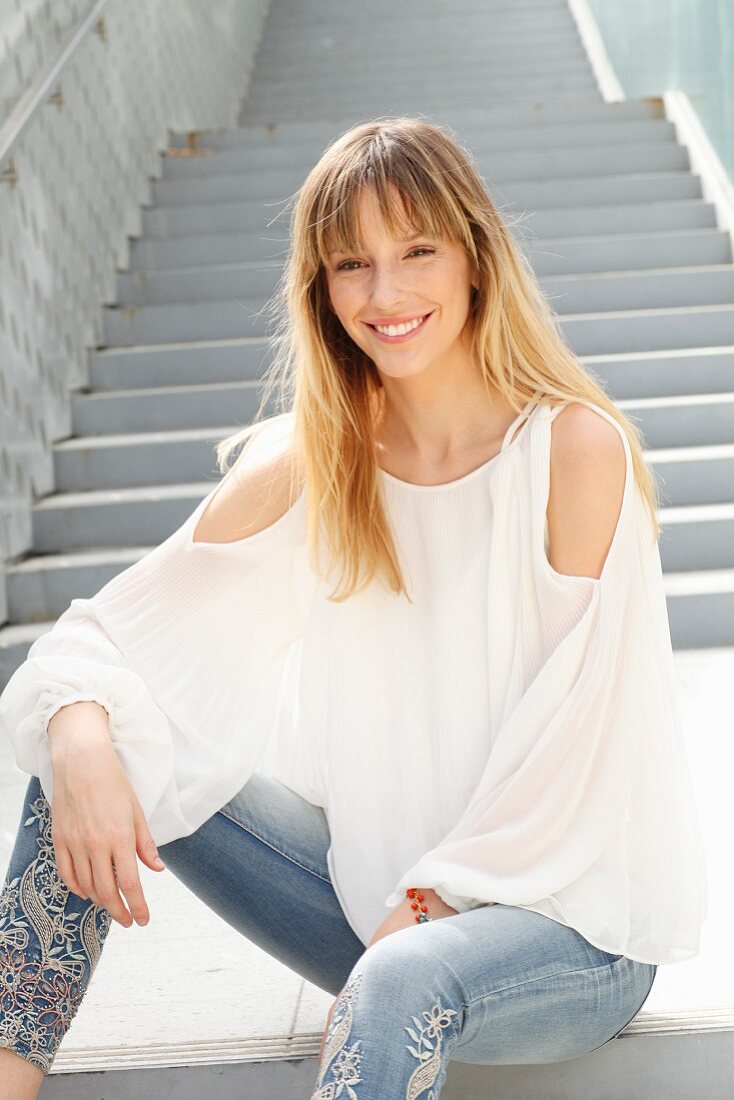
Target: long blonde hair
332, 389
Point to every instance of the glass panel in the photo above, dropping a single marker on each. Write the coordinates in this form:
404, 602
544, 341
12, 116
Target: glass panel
688, 45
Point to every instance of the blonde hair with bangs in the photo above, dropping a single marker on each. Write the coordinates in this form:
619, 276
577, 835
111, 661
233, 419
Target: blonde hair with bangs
333, 390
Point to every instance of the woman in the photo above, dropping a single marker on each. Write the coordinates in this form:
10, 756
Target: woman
482, 718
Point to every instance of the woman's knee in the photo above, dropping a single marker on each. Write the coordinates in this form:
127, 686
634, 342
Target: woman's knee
407, 971
397, 1019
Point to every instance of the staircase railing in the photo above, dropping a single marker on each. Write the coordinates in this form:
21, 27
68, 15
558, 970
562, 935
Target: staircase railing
40, 90
78, 150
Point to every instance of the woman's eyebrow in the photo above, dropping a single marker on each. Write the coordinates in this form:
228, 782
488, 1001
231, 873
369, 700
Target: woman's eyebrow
403, 240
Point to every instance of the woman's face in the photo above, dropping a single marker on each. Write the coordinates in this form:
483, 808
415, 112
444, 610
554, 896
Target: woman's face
393, 281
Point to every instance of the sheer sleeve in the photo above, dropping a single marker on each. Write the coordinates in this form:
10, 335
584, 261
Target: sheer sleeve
584, 810
75, 661
184, 649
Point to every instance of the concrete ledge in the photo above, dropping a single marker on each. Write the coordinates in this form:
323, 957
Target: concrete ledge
644, 1066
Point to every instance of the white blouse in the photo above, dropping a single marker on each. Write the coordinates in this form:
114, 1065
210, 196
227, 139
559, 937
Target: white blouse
512, 736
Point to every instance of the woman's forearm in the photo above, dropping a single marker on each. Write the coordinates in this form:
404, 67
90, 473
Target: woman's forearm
86, 715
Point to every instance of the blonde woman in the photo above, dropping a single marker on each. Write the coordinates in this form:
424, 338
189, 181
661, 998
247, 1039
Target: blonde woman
407, 664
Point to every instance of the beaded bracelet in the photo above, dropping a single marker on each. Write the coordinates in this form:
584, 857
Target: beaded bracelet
422, 914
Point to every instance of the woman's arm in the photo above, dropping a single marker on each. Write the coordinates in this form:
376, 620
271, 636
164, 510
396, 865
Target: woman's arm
587, 473
249, 499
183, 650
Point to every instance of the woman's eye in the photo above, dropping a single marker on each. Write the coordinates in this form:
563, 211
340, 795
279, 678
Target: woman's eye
344, 265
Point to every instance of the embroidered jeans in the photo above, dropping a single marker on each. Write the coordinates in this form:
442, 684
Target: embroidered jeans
496, 985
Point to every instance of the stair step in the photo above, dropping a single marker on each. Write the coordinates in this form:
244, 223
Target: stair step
137, 458
255, 279
413, 88
649, 329
513, 165
338, 109
512, 28
567, 193
139, 366
534, 34
514, 67
157, 409
659, 287
681, 1056
677, 371
213, 160
114, 518
565, 112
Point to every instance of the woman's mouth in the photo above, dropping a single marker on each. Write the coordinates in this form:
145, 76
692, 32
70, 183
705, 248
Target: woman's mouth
403, 337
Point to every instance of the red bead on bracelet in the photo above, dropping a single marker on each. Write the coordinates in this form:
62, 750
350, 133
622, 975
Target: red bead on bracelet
422, 914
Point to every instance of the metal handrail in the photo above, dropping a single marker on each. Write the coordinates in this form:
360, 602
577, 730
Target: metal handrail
39, 92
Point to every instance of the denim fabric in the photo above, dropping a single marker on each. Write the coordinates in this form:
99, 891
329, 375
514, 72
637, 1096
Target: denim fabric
495, 985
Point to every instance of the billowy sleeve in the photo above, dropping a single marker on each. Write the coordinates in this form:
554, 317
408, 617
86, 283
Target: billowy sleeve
75, 661
585, 809
184, 649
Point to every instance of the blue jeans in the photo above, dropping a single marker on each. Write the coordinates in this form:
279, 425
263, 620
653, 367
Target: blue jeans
496, 985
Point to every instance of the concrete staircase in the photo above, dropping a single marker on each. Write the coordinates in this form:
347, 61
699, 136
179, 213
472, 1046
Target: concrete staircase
629, 254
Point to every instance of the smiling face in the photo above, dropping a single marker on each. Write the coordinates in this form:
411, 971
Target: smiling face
392, 281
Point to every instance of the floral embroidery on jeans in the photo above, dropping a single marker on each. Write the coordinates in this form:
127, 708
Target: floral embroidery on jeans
342, 1061
436, 1019
48, 952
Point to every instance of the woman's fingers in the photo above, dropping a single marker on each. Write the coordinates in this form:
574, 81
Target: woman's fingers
105, 888
65, 868
83, 872
128, 881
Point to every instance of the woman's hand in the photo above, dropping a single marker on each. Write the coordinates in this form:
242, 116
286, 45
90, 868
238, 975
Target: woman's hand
97, 822
402, 916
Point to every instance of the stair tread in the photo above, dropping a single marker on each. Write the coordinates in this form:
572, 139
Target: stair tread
174, 345
639, 108
149, 391
165, 435
132, 494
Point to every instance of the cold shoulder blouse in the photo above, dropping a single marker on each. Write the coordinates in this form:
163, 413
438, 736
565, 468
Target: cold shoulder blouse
511, 737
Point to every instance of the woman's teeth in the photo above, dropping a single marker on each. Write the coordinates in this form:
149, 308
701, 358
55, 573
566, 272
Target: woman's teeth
400, 330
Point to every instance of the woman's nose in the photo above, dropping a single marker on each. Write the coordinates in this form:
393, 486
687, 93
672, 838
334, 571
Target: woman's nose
387, 292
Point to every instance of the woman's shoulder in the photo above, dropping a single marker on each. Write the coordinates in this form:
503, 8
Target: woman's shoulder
588, 463
582, 427
256, 491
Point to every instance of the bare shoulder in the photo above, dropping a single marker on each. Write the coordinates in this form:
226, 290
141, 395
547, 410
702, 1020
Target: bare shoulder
587, 475
249, 498
581, 433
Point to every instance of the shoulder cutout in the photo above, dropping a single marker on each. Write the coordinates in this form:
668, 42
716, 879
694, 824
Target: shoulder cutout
248, 500
587, 476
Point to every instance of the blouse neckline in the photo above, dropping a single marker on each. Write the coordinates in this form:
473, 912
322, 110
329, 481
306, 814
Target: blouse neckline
442, 486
